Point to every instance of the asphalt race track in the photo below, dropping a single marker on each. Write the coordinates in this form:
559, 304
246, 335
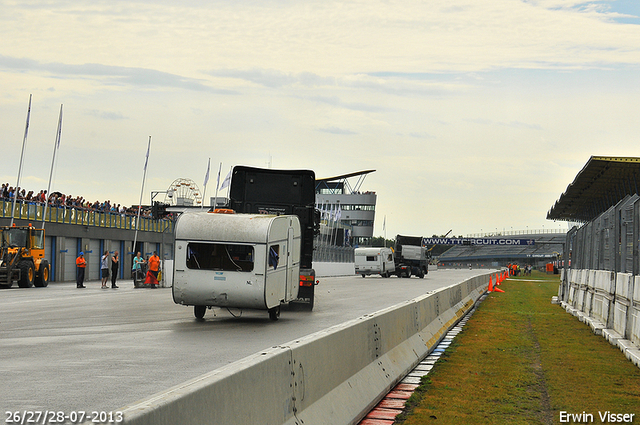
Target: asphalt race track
68, 349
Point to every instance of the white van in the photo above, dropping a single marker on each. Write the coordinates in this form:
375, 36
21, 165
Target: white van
374, 261
247, 261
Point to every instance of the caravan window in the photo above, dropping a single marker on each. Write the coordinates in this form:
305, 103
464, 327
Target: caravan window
371, 258
274, 256
219, 256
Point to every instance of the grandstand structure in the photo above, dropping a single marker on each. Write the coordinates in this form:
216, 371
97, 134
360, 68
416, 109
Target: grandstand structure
603, 204
601, 279
546, 248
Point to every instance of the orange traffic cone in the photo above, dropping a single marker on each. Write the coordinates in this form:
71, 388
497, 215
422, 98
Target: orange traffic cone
496, 289
490, 285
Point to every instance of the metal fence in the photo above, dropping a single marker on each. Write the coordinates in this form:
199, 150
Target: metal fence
68, 215
601, 281
610, 242
325, 252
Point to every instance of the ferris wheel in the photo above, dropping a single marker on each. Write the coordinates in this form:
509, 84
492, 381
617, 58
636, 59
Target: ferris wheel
183, 192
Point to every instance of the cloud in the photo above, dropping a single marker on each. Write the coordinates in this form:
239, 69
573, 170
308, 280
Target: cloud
107, 115
354, 106
273, 78
422, 135
512, 124
339, 131
419, 90
390, 82
620, 11
110, 75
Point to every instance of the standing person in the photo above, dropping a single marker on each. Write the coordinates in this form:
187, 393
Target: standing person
104, 268
81, 264
115, 265
138, 263
154, 267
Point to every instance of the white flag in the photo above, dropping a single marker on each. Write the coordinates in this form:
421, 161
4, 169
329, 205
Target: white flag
218, 180
227, 180
59, 132
146, 157
206, 177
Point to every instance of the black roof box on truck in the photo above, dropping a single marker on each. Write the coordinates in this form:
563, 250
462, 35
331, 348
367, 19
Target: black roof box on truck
269, 191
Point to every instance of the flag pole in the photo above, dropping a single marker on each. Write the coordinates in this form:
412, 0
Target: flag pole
330, 223
206, 180
215, 202
228, 182
56, 145
24, 142
327, 227
144, 176
336, 226
384, 228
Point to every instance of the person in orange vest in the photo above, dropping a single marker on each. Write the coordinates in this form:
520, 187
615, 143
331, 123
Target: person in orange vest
154, 268
81, 264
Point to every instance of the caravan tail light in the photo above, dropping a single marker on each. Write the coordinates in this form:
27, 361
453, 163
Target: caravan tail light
307, 280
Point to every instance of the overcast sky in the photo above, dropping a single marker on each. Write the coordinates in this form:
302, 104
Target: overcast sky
475, 114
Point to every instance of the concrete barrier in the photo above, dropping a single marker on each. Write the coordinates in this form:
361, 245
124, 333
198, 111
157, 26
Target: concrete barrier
331, 377
610, 304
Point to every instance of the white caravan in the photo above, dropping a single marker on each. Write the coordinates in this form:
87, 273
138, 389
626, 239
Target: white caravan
374, 261
249, 261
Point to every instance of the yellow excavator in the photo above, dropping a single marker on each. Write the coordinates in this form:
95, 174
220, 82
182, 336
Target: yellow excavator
22, 257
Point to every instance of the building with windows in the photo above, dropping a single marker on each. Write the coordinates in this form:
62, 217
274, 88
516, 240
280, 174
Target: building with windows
345, 206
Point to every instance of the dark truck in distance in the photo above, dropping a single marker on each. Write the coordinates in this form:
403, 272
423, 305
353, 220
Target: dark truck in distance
411, 257
280, 192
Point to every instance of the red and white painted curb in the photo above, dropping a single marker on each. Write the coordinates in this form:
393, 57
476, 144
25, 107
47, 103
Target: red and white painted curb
393, 403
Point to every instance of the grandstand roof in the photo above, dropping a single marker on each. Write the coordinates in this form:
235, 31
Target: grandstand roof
340, 184
602, 183
344, 176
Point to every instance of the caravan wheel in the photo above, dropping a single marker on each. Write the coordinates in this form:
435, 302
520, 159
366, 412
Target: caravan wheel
199, 310
274, 313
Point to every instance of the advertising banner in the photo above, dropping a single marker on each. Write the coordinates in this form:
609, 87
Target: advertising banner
477, 241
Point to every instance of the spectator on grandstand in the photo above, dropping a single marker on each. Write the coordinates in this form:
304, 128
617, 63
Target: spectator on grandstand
57, 199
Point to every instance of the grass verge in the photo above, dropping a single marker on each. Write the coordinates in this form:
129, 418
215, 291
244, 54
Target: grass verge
522, 360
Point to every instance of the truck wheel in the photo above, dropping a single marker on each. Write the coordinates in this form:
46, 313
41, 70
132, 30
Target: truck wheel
42, 277
274, 313
363, 275
199, 310
27, 274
